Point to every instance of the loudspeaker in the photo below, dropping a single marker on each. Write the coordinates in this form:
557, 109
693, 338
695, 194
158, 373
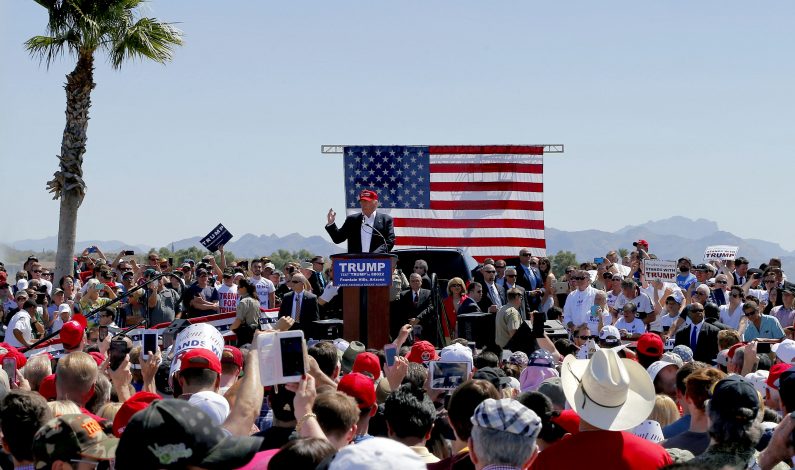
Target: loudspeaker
555, 330
477, 327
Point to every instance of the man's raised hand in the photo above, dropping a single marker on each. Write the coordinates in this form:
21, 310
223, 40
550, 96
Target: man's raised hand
331, 217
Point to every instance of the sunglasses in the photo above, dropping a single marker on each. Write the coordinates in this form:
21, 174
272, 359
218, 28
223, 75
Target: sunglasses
736, 296
37, 270
586, 338
579, 278
296, 282
490, 272
721, 282
749, 313
510, 275
524, 254
770, 281
696, 310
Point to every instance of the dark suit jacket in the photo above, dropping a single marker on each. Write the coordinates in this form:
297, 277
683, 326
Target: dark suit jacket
533, 302
468, 306
405, 309
309, 310
315, 283
707, 344
351, 231
486, 301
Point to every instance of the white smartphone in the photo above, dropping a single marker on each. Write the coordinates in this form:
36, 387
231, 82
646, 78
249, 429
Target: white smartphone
10, 368
281, 357
390, 351
149, 343
448, 375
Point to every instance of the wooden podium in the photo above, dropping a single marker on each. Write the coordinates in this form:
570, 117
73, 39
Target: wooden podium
365, 308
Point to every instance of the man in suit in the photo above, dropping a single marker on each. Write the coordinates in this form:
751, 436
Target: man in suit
414, 307
300, 305
316, 278
367, 231
529, 277
493, 295
421, 268
700, 336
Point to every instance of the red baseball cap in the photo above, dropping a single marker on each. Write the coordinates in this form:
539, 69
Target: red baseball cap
569, 420
734, 348
775, 374
200, 358
368, 195
80, 318
650, 344
47, 388
133, 405
11, 351
232, 355
367, 362
72, 333
361, 388
98, 357
422, 352
641, 242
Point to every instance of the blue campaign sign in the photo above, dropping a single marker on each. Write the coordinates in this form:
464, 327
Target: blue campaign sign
362, 272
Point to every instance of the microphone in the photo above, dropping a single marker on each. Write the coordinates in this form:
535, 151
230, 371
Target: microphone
386, 244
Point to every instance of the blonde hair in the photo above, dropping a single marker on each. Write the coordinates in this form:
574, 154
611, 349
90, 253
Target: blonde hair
36, 369
665, 411
109, 410
75, 376
63, 407
456, 281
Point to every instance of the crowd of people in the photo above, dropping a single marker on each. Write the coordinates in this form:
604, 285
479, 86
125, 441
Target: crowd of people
696, 373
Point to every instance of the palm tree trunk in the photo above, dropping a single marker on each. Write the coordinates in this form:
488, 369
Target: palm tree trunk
68, 184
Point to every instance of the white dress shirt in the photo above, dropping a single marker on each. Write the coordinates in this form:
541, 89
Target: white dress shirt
367, 232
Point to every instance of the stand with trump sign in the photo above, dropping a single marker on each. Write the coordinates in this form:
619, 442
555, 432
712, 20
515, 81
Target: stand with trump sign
365, 279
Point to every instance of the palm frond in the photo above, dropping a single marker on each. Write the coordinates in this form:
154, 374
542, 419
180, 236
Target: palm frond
147, 38
49, 48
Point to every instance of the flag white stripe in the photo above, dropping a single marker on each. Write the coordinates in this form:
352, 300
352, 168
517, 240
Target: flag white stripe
486, 196
487, 158
467, 232
460, 214
499, 176
496, 252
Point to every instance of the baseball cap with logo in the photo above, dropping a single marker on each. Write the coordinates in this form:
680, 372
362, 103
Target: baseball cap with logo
368, 195
422, 352
456, 353
361, 388
172, 434
72, 437
610, 335
775, 374
232, 355
200, 359
71, 334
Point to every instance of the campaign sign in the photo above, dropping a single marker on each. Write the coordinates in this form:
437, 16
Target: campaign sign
217, 237
720, 253
362, 272
659, 269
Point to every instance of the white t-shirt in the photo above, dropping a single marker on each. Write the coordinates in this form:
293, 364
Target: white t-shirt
611, 298
642, 302
593, 320
20, 321
732, 319
636, 326
264, 287
578, 306
666, 320
227, 298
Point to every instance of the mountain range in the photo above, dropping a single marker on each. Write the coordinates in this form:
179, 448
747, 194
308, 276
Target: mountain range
668, 238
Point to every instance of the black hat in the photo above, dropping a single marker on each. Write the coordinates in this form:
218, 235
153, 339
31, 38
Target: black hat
494, 375
701, 267
174, 434
788, 287
732, 393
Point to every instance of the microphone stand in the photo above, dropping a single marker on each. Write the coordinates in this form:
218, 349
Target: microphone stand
386, 244
91, 316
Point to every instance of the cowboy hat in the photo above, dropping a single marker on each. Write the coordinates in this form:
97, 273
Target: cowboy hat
606, 391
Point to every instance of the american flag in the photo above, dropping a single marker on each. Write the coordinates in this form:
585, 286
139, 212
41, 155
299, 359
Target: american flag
486, 200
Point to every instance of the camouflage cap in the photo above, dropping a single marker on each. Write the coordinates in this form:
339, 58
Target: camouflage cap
72, 437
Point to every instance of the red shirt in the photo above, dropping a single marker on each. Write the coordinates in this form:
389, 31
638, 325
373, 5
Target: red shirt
603, 450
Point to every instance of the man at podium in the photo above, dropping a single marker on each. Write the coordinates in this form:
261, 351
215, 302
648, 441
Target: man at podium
368, 231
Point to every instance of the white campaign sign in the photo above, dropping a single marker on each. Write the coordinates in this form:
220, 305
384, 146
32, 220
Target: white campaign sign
720, 252
659, 269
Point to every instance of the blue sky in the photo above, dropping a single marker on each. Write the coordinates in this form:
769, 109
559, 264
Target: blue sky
665, 108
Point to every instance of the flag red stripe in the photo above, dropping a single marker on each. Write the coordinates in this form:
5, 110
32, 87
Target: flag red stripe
486, 205
468, 242
469, 223
486, 149
466, 186
486, 168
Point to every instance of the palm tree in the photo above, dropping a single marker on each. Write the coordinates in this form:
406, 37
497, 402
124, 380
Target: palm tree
79, 28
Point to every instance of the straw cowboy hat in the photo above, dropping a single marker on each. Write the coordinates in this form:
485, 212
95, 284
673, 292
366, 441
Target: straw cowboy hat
606, 391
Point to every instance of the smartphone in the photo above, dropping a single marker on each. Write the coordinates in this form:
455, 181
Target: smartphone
170, 262
292, 352
561, 287
598, 260
103, 333
118, 351
448, 375
10, 368
594, 311
763, 348
40, 298
390, 351
129, 252
473, 346
149, 344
